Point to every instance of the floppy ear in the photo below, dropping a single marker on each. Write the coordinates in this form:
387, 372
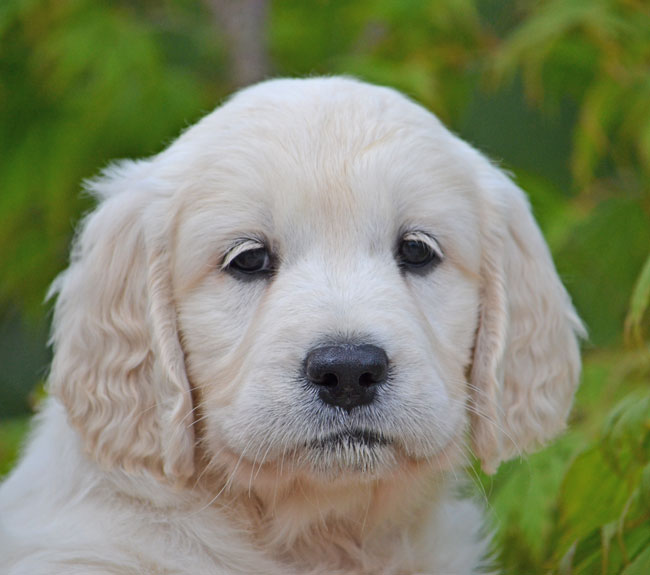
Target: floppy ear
526, 359
118, 366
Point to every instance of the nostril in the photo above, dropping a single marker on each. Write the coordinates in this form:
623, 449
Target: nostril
367, 379
329, 380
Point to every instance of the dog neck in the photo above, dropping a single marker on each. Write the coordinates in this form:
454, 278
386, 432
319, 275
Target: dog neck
340, 523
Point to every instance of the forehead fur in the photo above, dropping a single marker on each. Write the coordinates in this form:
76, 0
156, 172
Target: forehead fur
358, 163
317, 126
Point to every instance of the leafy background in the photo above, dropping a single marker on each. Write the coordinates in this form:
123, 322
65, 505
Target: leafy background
558, 91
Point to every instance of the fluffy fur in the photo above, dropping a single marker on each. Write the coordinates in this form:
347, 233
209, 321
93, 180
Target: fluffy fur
181, 436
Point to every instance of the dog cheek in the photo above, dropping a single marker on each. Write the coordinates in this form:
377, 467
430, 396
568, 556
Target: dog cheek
211, 323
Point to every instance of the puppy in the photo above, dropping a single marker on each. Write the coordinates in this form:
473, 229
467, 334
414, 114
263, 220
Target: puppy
277, 343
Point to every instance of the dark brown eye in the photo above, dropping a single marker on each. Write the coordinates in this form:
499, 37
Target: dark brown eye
250, 262
414, 253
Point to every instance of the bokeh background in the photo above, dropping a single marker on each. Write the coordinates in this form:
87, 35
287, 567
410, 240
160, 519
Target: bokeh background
556, 91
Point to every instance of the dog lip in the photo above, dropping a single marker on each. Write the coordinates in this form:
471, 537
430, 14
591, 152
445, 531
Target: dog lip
365, 437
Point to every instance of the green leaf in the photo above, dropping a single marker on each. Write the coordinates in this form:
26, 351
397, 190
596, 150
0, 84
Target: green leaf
639, 304
588, 556
626, 435
590, 497
598, 278
640, 565
12, 432
644, 487
565, 565
527, 518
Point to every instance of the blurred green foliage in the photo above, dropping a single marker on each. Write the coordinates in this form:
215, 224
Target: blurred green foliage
12, 433
558, 91
582, 505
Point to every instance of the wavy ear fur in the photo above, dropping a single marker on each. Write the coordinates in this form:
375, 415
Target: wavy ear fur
118, 366
526, 360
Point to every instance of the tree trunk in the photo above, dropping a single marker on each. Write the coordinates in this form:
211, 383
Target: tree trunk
244, 24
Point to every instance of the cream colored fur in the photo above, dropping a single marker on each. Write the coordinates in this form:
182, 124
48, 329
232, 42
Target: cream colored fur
181, 436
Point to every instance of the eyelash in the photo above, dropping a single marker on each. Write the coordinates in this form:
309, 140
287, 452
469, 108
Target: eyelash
430, 252
248, 259
239, 247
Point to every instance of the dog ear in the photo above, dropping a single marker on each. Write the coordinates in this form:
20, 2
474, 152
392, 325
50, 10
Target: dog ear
118, 366
526, 362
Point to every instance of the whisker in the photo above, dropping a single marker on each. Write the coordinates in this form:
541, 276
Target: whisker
227, 483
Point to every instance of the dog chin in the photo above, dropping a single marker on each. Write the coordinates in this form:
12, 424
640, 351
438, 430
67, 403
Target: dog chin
355, 454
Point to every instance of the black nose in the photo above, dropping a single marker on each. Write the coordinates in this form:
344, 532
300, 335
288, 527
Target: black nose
347, 375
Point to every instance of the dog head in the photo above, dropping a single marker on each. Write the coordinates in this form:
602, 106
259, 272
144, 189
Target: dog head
317, 278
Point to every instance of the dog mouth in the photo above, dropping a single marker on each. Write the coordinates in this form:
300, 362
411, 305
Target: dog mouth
350, 438
354, 451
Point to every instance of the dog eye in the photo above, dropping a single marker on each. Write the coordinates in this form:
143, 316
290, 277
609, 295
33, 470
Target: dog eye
415, 253
248, 259
418, 250
252, 261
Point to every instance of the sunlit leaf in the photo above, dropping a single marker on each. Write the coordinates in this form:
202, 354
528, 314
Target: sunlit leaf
639, 304
596, 53
536, 482
640, 565
626, 434
586, 504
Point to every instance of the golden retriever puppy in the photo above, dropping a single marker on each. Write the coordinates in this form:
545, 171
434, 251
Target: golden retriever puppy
277, 342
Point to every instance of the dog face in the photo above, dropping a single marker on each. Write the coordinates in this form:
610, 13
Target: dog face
341, 264
318, 278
